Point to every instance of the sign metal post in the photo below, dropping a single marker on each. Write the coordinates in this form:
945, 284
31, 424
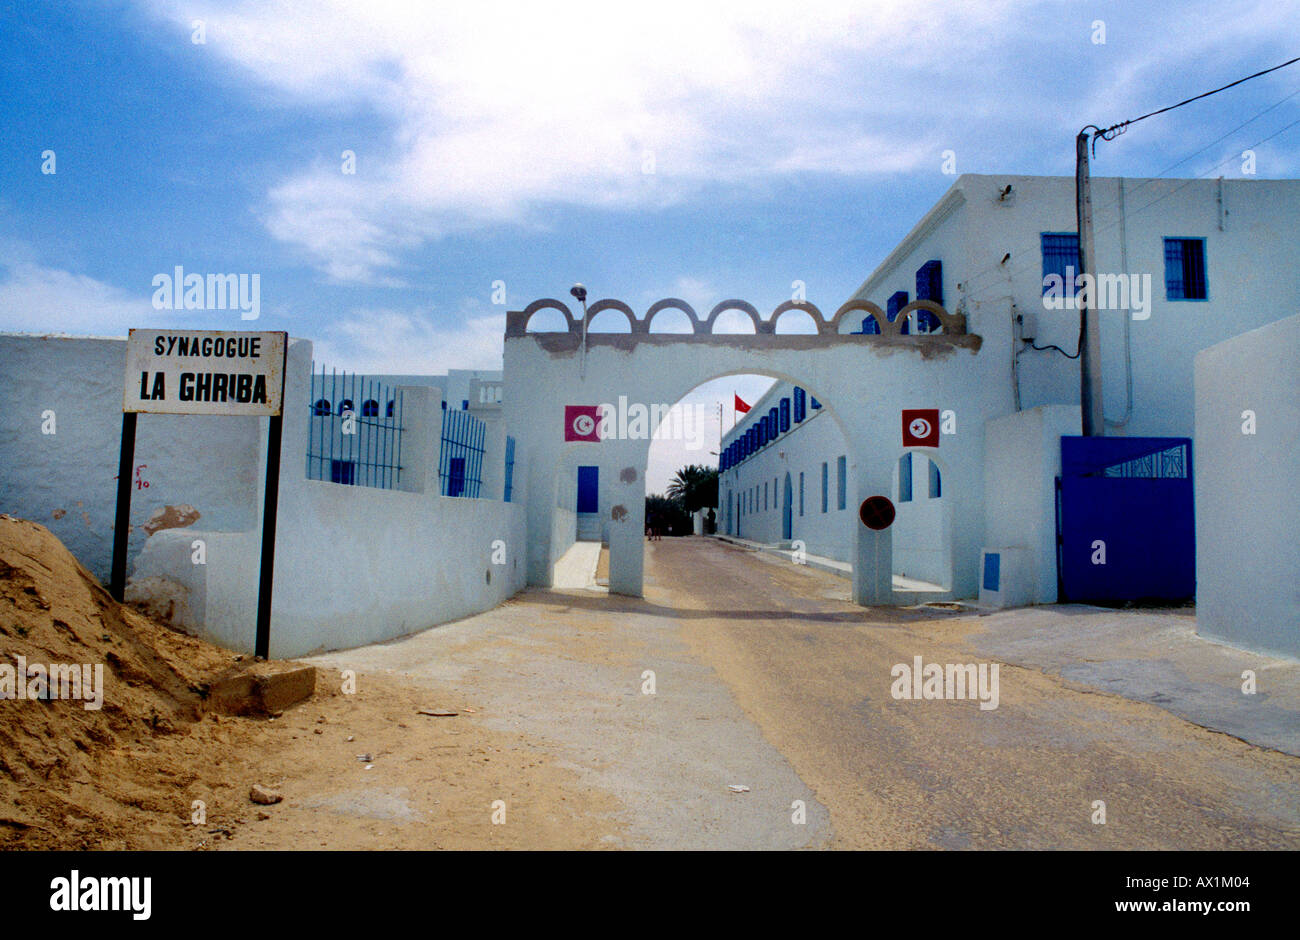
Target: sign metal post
121, 520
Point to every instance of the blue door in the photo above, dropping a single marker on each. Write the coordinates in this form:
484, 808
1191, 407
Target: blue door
588, 489
787, 512
456, 477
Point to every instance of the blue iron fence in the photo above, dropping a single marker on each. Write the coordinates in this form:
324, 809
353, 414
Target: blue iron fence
461, 464
354, 434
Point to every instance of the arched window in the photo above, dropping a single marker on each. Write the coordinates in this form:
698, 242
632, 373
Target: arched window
346, 405
322, 407
370, 408
391, 403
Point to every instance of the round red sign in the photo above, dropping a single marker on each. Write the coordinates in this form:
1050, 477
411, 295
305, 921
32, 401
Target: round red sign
876, 512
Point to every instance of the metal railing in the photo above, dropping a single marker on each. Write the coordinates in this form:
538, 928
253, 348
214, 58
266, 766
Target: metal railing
460, 467
354, 433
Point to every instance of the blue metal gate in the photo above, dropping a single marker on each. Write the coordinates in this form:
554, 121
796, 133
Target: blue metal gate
1124, 520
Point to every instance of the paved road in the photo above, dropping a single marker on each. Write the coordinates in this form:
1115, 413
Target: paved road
814, 673
766, 677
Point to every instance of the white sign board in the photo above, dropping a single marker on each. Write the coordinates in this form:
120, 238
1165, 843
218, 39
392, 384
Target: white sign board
205, 372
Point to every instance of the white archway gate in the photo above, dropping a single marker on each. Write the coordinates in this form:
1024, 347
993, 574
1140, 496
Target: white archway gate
863, 380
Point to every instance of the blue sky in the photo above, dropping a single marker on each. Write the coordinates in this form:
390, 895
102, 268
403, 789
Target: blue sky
511, 142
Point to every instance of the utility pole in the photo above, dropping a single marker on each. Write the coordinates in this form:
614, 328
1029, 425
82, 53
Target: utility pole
1090, 403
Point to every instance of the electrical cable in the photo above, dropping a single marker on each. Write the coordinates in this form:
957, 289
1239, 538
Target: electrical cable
1116, 129
970, 281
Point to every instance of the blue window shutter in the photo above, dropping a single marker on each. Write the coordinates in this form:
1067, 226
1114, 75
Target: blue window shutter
841, 475
905, 478
1173, 269
800, 405
343, 471
510, 467
816, 404
1060, 252
826, 479
785, 415
929, 286
896, 302
456, 481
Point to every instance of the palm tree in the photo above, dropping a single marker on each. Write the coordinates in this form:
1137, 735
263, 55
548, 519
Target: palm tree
695, 487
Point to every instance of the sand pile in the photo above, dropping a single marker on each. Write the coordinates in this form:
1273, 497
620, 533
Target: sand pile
69, 775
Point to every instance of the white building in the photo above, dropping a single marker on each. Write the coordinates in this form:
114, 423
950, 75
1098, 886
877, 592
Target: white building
1185, 264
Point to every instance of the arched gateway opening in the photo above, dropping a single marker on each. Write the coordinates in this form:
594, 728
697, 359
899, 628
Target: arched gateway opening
576, 398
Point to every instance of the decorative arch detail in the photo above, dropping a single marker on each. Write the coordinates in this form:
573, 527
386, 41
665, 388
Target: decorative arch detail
953, 324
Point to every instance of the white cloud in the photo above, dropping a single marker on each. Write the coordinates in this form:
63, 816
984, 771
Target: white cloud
412, 342
497, 110
494, 111
35, 298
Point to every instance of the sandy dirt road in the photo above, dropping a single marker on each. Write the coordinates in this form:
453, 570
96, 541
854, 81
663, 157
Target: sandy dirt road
766, 677
814, 673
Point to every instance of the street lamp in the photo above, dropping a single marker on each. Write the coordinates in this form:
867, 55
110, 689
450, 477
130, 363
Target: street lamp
580, 292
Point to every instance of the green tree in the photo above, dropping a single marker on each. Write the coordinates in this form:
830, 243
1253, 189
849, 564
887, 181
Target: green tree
695, 487
667, 515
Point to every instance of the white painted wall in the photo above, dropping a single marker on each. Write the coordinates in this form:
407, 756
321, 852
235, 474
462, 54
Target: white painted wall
1022, 461
564, 529
66, 481
1247, 511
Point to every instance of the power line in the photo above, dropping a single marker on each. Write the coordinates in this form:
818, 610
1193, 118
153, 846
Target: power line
974, 283
1122, 126
1213, 168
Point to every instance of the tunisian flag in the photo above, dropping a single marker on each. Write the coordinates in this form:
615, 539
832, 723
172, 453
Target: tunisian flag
739, 405
582, 423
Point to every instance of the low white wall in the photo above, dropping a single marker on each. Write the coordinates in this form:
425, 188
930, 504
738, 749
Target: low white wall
564, 532
351, 568
1247, 511
353, 564
216, 600
1022, 458
368, 565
